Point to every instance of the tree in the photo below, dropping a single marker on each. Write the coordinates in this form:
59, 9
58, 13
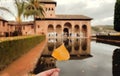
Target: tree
117, 16
20, 10
19, 4
4, 9
34, 8
27, 8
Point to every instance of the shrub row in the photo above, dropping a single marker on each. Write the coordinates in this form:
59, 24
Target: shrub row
108, 37
12, 49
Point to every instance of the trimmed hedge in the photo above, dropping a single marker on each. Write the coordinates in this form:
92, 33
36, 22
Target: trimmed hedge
12, 49
108, 37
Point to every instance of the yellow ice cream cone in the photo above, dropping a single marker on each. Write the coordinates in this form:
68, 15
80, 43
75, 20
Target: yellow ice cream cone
61, 53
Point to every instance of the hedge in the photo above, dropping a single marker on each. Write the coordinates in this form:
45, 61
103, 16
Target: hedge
10, 50
108, 37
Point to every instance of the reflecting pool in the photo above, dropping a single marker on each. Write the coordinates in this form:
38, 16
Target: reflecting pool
88, 58
76, 46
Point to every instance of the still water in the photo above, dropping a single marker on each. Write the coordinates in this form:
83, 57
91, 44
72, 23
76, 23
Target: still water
88, 58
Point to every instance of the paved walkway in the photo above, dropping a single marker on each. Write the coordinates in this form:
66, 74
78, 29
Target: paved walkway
26, 63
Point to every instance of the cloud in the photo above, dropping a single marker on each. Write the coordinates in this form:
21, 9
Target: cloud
102, 11
8, 4
97, 9
103, 21
69, 8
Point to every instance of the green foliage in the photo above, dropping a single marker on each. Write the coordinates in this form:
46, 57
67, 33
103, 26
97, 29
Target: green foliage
5, 9
26, 8
34, 8
20, 4
117, 16
10, 50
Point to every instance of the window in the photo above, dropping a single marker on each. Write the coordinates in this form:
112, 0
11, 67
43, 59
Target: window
32, 27
26, 33
50, 14
10, 27
49, 9
38, 26
23, 27
15, 28
3, 24
52, 9
0, 33
46, 9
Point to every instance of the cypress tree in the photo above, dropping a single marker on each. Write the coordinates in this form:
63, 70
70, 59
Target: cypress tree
117, 16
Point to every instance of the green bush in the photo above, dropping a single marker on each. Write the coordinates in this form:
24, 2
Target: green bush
10, 50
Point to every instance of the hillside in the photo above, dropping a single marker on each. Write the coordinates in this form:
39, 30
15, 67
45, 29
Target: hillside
103, 29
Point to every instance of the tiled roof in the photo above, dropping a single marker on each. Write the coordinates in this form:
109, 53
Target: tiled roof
68, 17
46, 0
2, 19
72, 17
23, 23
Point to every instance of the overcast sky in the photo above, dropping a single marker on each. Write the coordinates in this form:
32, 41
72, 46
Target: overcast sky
101, 11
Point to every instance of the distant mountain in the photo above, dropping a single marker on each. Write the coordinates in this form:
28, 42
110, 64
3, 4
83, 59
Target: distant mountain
103, 29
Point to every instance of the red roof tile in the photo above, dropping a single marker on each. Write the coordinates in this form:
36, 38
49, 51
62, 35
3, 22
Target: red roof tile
2, 19
72, 17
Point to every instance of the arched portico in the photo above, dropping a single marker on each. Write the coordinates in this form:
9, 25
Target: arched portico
50, 30
84, 31
58, 30
67, 30
77, 30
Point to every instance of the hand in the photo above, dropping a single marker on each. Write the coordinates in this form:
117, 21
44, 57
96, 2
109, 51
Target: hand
51, 72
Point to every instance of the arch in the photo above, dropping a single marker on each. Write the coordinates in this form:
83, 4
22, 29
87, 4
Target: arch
77, 30
68, 25
84, 30
50, 46
50, 27
77, 45
67, 44
50, 30
58, 42
49, 9
66, 32
67, 29
58, 30
84, 44
52, 9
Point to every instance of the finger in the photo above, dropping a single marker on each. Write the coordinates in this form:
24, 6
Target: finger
51, 71
56, 73
48, 72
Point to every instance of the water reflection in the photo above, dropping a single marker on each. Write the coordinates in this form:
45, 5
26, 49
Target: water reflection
78, 49
108, 42
75, 46
50, 46
68, 44
116, 62
44, 63
84, 44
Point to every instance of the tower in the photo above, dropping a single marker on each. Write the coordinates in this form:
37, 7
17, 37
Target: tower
49, 7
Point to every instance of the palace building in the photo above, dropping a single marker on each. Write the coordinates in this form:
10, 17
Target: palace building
53, 25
